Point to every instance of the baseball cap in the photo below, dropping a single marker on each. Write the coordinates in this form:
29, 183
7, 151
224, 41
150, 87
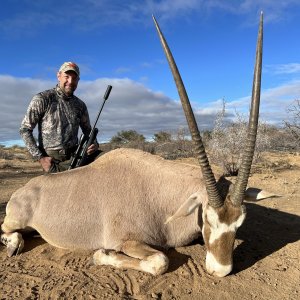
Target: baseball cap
69, 66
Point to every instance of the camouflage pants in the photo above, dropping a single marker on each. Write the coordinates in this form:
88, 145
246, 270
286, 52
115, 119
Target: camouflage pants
61, 161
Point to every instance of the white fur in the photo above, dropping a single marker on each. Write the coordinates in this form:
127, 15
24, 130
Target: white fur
215, 268
100, 257
155, 264
218, 228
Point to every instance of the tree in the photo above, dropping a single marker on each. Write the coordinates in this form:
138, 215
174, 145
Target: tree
162, 137
228, 139
293, 125
127, 136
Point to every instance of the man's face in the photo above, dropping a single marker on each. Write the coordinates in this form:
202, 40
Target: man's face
68, 82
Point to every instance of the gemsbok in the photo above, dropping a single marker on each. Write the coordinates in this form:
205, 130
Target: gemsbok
128, 204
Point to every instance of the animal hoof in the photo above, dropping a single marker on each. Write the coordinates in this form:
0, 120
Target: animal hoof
14, 243
15, 249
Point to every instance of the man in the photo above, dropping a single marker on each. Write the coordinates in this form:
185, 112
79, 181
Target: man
58, 114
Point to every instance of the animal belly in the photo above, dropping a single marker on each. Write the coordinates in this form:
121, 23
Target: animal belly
70, 237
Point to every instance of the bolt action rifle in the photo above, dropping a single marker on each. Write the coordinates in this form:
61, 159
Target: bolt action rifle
79, 157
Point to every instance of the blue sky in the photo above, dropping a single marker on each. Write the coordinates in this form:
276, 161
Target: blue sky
115, 42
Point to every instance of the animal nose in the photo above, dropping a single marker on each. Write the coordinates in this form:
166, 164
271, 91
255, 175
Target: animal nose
221, 273
215, 268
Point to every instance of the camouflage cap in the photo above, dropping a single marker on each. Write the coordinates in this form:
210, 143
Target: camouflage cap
69, 66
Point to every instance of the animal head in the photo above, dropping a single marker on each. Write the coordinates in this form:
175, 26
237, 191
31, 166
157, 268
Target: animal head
219, 230
224, 213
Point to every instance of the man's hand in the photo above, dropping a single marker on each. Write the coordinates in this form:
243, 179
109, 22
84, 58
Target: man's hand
92, 148
46, 163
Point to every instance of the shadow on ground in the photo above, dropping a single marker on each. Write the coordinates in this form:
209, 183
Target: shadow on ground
265, 231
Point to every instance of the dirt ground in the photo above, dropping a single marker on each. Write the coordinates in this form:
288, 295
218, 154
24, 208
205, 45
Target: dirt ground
266, 256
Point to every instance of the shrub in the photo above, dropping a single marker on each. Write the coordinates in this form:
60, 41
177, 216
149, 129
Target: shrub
127, 136
226, 144
162, 137
293, 125
6, 154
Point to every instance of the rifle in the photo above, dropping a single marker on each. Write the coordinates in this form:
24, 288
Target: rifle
79, 157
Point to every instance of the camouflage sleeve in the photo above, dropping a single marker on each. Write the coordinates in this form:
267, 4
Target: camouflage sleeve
32, 117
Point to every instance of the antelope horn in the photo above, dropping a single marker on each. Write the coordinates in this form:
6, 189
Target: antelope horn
244, 171
214, 197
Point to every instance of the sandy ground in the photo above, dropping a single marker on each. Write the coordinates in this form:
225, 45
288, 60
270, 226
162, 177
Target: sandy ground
266, 256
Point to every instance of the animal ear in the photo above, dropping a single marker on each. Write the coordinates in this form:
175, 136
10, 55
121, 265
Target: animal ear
254, 194
186, 208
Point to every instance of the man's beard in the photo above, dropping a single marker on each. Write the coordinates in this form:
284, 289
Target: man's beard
68, 91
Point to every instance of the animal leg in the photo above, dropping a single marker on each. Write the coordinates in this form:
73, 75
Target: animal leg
151, 260
139, 256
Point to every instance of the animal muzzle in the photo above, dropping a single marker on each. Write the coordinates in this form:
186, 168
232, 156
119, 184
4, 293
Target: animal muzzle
215, 268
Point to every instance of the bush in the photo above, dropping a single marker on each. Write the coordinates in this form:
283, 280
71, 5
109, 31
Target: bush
293, 125
6, 154
127, 136
162, 137
13, 152
226, 144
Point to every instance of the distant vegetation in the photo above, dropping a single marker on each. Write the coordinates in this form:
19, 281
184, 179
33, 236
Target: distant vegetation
293, 123
14, 151
224, 143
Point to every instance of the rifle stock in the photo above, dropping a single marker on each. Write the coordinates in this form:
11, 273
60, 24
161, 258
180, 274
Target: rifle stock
80, 154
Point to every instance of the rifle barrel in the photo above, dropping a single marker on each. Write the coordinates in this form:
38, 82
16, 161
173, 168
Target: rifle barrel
82, 147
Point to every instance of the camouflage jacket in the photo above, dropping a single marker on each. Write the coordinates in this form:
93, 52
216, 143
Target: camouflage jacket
58, 118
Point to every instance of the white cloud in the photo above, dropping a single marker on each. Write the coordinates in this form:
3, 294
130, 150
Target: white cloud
273, 102
130, 106
291, 68
133, 106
